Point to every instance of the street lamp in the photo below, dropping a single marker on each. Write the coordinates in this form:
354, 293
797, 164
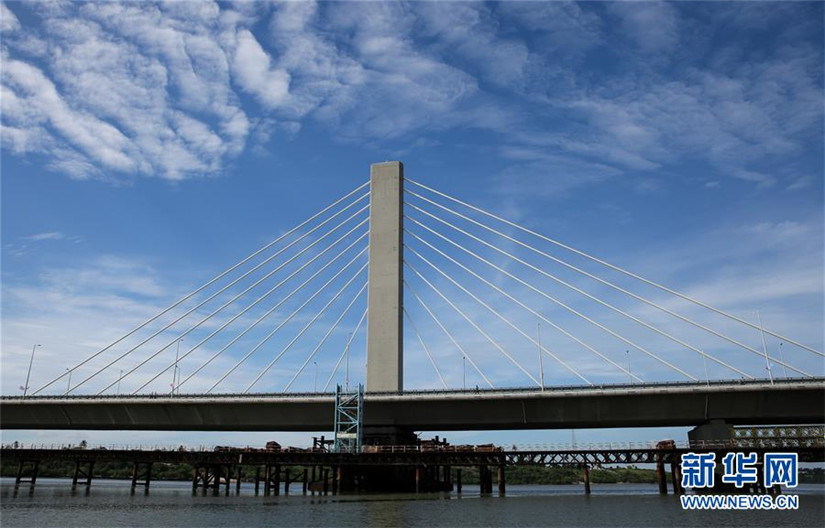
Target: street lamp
175, 370
629, 375
69, 383
315, 379
765, 347
541, 360
28, 375
705, 363
346, 353
118, 381
464, 370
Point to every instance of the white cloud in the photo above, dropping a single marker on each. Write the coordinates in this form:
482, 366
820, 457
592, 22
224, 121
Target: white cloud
8, 20
53, 235
653, 26
169, 90
40, 100
251, 67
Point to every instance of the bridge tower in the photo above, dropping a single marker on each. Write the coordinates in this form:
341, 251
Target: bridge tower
385, 353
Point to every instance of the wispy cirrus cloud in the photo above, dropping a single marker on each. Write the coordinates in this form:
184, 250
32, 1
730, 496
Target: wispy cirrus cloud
23, 245
181, 90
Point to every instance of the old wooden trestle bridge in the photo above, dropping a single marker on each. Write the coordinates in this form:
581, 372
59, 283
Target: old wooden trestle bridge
431, 469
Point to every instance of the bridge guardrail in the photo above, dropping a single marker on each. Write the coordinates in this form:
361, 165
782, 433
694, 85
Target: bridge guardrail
560, 388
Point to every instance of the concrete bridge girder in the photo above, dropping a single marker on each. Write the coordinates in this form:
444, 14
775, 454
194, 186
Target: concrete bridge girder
799, 402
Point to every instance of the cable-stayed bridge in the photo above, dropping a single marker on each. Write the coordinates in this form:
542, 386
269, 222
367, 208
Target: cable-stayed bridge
454, 318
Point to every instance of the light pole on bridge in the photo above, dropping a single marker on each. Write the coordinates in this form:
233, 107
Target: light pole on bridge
541, 360
28, 375
176, 370
69, 383
346, 353
629, 375
764, 347
464, 371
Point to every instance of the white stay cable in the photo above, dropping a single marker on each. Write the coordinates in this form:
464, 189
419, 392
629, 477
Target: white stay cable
602, 281
210, 282
426, 350
206, 301
288, 318
221, 308
444, 329
589, 296
521, 304
326, 336
617, 268
304, 329
346, 349
563, 305
474, 325
258, 300
497, 314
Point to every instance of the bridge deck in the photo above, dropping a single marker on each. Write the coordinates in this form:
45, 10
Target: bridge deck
649, 405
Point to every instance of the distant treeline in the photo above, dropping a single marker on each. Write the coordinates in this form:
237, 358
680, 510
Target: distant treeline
469, 475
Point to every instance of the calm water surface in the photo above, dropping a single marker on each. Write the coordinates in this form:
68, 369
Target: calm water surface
110, 503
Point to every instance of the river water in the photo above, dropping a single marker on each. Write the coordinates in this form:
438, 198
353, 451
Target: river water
110, 503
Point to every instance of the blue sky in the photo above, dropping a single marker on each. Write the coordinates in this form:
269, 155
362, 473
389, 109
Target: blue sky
146, 147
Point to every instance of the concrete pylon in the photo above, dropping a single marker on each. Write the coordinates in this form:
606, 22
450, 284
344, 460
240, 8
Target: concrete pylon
385, 352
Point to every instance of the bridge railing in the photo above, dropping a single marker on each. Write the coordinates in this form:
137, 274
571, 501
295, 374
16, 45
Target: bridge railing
558, 388
487, 448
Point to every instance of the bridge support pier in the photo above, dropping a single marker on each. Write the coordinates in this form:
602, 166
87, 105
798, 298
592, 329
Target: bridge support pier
78, 472
713, 433
21, 470
313, 480
661, 476
501, 481
144, 478
676, 475
485, 477
272, 479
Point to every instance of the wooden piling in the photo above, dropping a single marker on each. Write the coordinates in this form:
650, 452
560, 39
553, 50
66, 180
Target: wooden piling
677, 478
501, 481
314, 478
148, 475
458, 480
586, 475
661, 477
